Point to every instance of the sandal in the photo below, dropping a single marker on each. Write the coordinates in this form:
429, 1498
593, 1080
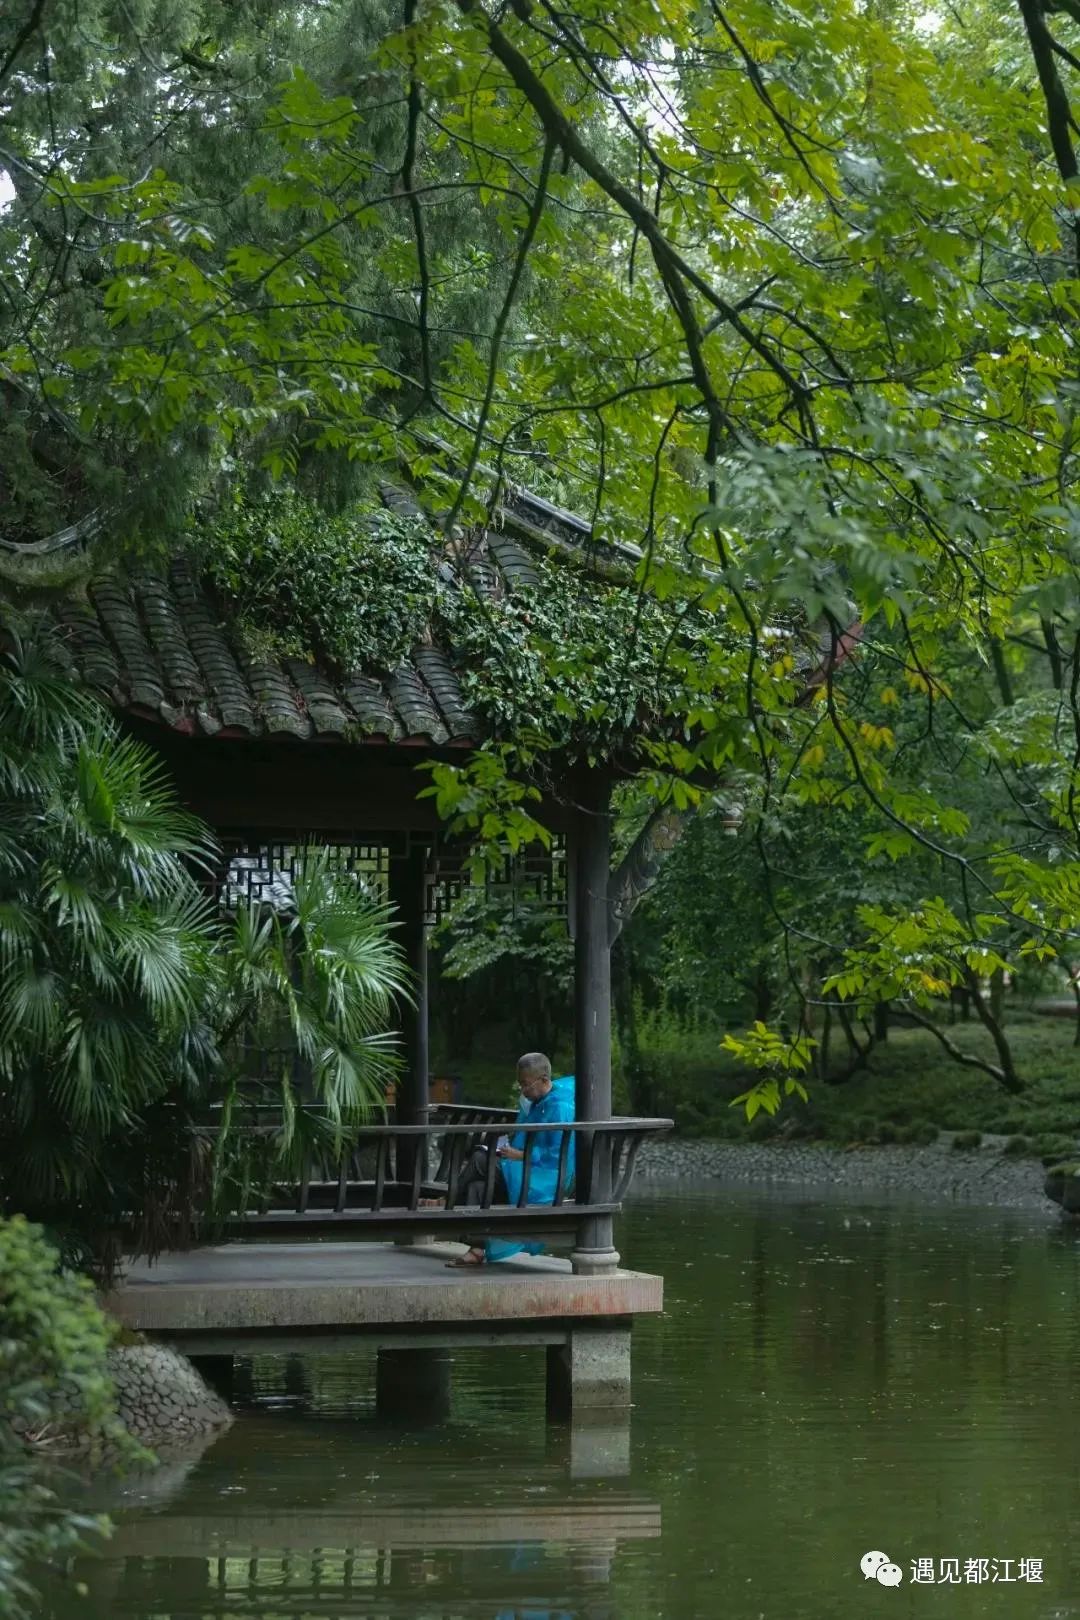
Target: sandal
466, 1261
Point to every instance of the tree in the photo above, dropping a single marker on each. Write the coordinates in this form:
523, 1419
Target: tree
219, 103
796, 296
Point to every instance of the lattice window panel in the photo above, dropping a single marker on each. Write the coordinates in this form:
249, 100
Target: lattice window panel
537, 877
263, 871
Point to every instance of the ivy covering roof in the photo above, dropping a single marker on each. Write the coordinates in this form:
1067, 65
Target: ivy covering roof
157, 643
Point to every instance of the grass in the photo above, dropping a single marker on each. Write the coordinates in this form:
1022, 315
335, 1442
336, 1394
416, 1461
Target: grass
909, 1092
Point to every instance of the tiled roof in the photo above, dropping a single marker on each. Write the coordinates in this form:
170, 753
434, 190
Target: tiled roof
157, 645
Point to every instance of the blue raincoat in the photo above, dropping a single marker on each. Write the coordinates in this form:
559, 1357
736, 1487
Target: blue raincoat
543, 1160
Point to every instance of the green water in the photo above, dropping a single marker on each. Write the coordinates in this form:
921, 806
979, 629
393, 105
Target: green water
827, 1379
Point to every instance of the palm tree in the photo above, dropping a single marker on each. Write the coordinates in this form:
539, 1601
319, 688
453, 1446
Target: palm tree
105, 937
127, 996
310, 979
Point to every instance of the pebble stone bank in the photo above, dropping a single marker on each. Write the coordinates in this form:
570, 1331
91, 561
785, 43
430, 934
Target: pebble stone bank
982, 1175
161, 1398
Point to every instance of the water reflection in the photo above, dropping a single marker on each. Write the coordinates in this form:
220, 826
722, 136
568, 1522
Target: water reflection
526, 1580
315, 1505
827, 1378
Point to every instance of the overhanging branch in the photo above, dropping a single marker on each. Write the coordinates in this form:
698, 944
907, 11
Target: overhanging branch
640, 867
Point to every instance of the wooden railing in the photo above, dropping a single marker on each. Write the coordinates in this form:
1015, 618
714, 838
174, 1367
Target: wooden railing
384, 1177
470, 1114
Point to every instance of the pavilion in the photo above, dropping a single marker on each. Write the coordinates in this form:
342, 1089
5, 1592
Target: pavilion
271, 752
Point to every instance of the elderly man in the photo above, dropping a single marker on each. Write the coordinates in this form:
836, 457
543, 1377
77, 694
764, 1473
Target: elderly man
542, 1100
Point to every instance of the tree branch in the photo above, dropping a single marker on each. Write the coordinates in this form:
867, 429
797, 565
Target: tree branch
415, 106
32, 23
1058, 111
958, 1055
524, 246
639, 868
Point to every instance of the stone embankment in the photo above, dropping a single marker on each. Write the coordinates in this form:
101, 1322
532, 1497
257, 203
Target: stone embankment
983, 1175
160, 1396
160, 1399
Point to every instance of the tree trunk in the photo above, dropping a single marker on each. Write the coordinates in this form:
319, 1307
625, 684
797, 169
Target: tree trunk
857, 1054
985, 1013
960, 996
625, 1011
881, 1021
997, 995
823, 1044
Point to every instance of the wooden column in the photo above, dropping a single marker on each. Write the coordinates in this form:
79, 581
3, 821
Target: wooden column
595, 1250
408, 893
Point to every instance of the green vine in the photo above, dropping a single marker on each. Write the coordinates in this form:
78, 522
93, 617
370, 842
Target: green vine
578, 662
357, 589
570, 662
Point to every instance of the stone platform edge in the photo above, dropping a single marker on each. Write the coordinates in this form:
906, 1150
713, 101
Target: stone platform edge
324, 1304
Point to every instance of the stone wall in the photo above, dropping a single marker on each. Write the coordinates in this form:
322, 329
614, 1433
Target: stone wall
1063, 1186
160, 1396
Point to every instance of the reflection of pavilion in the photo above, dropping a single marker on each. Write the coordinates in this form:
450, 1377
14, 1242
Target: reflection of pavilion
523, 1582
287, 1515
499, 1560
593, 1524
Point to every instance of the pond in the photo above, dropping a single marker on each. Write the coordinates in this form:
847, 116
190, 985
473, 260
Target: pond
827, 1380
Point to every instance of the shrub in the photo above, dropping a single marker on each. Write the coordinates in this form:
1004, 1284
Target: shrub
802, 1130
1017, 1146
53, 1380
964, 1141
358, 588
1052, 1149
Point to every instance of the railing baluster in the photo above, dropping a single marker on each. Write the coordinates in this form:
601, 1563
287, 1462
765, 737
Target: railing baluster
489, 1174
419, 1159
380, 1172
446, 1153
560, 1176
617, 1141
526, 1170
457, 1162
627, 1168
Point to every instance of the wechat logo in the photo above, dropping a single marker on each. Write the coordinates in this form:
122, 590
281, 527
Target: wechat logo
878, 1566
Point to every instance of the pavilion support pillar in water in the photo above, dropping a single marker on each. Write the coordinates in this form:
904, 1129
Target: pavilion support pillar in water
594, 1252
412, 1386
408, 894
590, 1372
217, 1371
600, 1444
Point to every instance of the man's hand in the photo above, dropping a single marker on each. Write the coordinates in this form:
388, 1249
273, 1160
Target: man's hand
509, 1153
